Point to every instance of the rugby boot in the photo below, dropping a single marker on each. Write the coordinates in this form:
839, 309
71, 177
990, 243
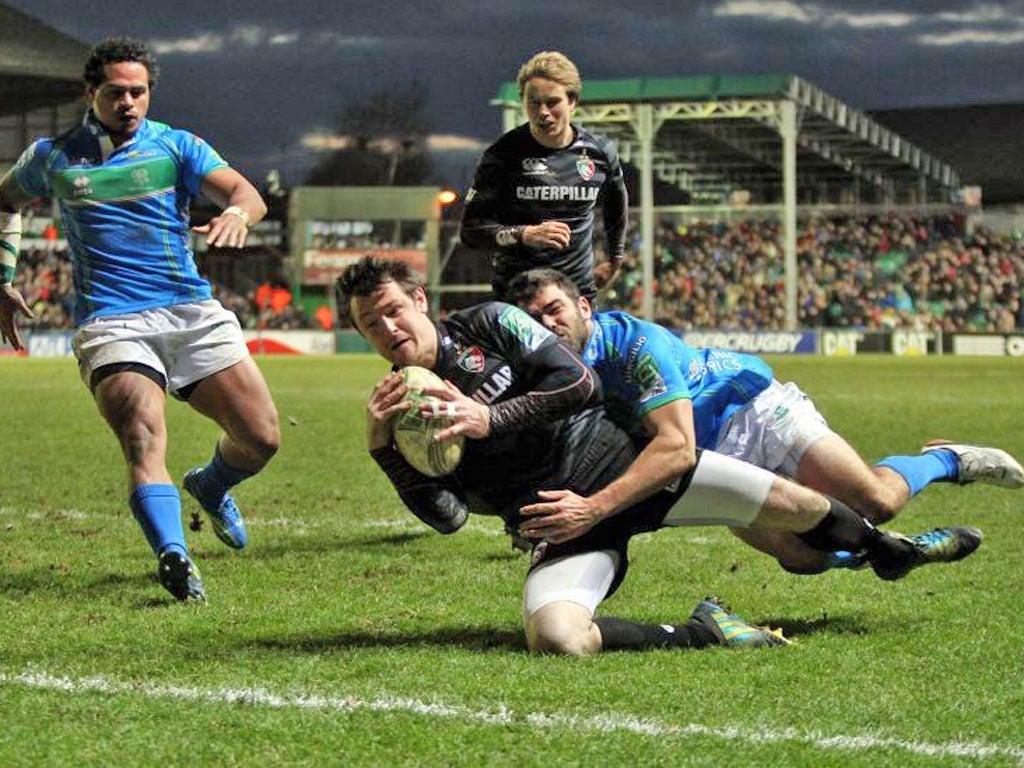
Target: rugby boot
731, 630
180, 576
225, 516
941, 545
978, 463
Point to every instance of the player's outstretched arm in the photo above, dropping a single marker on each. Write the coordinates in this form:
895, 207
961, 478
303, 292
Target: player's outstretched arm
243, 207
437, 502
561, 515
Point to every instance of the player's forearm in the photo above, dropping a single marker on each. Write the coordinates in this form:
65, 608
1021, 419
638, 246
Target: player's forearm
614, 211
435, 502
487, 234
247, 199
662, 461
543, 406
10, 228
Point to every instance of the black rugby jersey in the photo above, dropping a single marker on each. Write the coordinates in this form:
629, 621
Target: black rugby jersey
548, 432
545, 414
519, 181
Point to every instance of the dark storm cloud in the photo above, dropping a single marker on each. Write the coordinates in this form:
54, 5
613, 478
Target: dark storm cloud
255, 82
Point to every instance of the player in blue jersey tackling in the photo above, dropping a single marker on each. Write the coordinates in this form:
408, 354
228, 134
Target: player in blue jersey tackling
146, 321
677, 399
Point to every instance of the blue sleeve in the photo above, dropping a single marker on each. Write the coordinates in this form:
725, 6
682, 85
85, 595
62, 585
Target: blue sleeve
197, 160
30, 170
654, 369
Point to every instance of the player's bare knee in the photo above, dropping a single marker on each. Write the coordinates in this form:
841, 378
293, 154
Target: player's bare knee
267, 444
556, 631
558, 641
261, 440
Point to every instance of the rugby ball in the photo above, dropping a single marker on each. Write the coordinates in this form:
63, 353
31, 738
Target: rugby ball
414, 433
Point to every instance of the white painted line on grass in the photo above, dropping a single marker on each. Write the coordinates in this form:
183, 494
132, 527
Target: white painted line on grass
500, 715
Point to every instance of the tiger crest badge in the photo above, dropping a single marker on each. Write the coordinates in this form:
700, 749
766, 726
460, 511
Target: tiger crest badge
585, 166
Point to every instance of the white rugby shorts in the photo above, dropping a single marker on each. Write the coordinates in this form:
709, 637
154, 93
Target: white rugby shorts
185, 342
583, 579
774, 430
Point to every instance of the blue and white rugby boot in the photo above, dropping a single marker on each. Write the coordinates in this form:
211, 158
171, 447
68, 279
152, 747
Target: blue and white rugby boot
941, 545
731, 630
978, 463
225, 516
180, 576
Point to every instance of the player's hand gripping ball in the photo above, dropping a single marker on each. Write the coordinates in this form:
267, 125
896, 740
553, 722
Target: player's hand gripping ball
414, 433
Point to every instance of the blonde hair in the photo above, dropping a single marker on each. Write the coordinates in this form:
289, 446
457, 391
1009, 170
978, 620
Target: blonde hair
551, 65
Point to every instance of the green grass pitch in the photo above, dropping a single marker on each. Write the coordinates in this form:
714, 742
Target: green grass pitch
349, 634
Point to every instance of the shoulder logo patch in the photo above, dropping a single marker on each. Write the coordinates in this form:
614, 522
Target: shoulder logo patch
531, 333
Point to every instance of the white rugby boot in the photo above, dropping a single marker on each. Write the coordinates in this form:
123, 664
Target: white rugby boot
981, 463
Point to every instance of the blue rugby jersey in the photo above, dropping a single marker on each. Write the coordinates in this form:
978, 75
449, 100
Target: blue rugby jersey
643, 366
125, 212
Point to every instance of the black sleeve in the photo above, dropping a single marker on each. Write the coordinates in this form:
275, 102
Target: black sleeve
559, 382
614, 205
438, 502
481, 228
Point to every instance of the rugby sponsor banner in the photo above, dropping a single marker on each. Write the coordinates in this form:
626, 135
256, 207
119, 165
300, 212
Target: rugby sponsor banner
754, 342
290, 342
902, 343
48, 343
986, 344
323, 266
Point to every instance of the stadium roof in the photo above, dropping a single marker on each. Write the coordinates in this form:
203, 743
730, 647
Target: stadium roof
984, 141
39, 66
714, 134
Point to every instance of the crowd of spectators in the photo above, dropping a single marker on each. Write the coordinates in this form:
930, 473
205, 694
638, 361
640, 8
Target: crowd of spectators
44, 278
873, 272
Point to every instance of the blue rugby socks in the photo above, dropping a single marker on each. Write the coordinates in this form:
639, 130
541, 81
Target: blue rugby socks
216, 479
157, 508
921, 471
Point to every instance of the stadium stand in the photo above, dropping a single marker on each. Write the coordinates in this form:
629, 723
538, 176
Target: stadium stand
40, 81
873, 272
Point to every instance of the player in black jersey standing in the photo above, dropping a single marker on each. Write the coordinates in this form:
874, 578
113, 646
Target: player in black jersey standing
525, 400
533, 197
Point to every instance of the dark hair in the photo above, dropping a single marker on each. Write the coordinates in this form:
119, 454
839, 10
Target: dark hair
524, 286
365, 276
114, 50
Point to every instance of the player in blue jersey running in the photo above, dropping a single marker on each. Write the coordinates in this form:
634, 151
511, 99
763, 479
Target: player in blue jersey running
146, 321
677, 399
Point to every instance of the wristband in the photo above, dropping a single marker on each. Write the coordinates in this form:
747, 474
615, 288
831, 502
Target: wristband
509, 236
234, 210
10, 243
617, 257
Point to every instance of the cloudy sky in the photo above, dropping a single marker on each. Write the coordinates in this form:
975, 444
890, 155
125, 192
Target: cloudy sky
266, 80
